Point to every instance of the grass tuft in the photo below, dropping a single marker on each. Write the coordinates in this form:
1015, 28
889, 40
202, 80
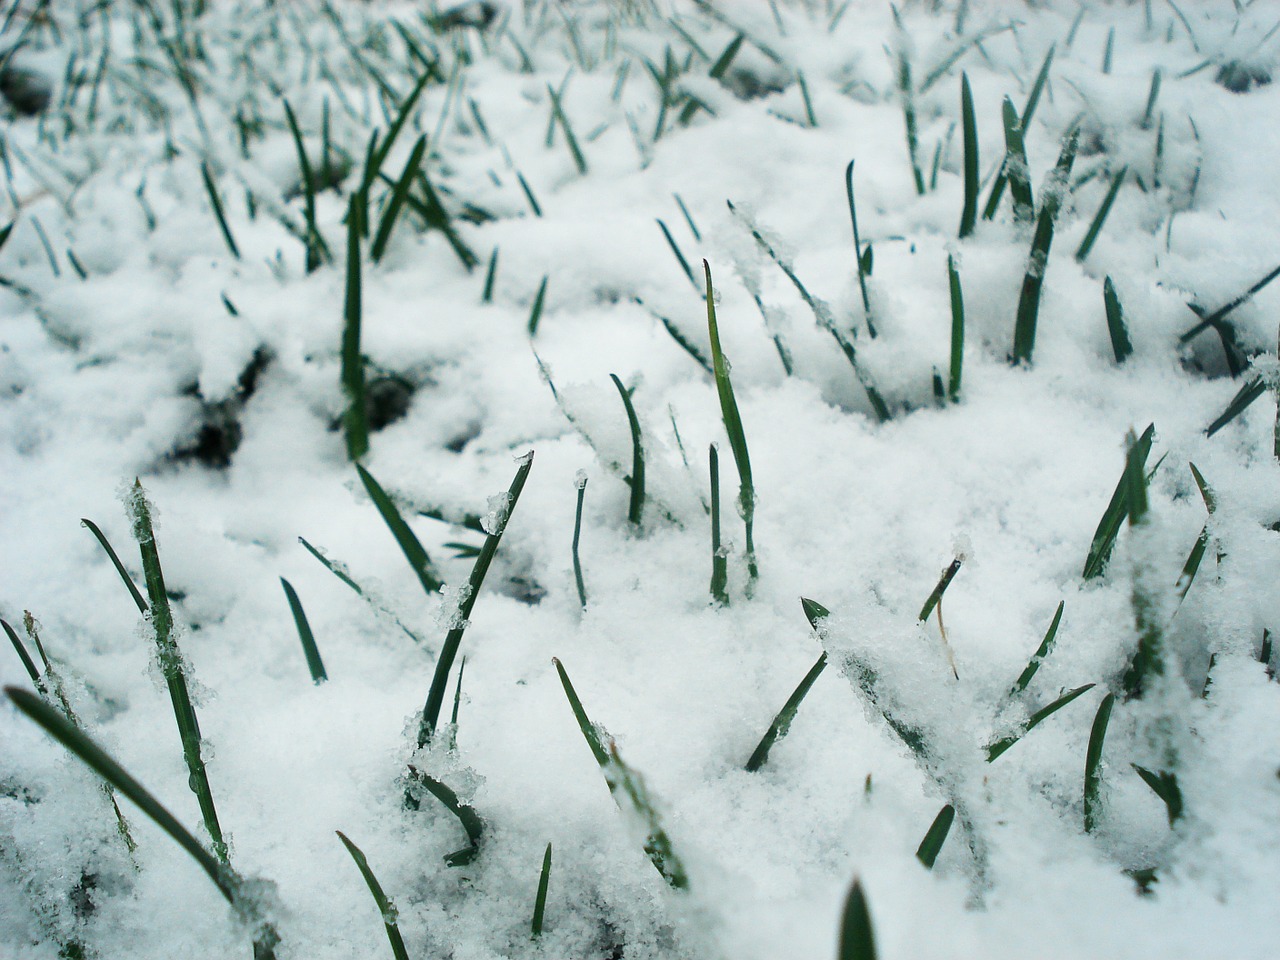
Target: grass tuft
309, 648
386, 909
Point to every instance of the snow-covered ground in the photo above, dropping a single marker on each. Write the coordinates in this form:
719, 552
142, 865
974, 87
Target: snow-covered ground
135, 343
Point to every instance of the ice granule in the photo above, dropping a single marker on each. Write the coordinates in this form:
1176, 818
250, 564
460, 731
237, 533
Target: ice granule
499, 507
139, 510
580, 479
1267, 367
452, 599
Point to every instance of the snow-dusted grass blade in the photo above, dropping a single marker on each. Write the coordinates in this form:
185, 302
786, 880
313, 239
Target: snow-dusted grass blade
115, 561
626, 786
28, 664
1148, 659
1041, 654
1249, 392
1093, 762
684, 264
863, 265
944, 581
635, 509
1024, 124
997, 747
558, 116
782, 722
399, 193
228, 882
733, 427
1165, 786
172, 664
449, 649
317, 250
1153, 95
309, 648
472, 823
957, 330
490, 274
1121, 346
719, 562
405, 538
540, 900
528, 195
386, 909
1194, 558
931, 845
969, 127
1104, 538
907, 94
1217, 317
581, 484
356, 418
1024, 337
535, 311
1016, 169
215, 201
1099, 218
857, 939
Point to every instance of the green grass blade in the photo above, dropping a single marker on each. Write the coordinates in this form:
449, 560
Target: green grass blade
490, 275
1024, 337
471, 822
863, 267
557, 113
590, 732
1028, 111
1099, 218
216, 202
374, 164
782, 722
857, 939
685, 344
6, 231
1208, 320
540, 901
386, 909
684, 264
316, 248
1108, 50
732, 426
171, 663
814, 612
1093, 762
943, 582
408, 542
957, 330
1165, 786
721, 66
808, 103
719, 562
452, 640
688, 218
581, 484
998, 747
1206, 492
398, 195
1192, 565
1104, 538
969, 126
309, 648
535, 312
115, 561
940, 71
21, 650
636, 507
528, 195
1016, 167
1121, 346
1248, 393
356, 418
931, 845
909, 117
1041, 654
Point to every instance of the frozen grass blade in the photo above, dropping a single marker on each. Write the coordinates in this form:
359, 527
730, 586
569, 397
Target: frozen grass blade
216, 202
338, 570
1104, 538
399, 194
528, 195
1024, 337
635, 508
857, 939
943, 582
115, 561
471, 822
489, 275
356, 418
405, 538
931, 845
228, 882
386, 909
684, 264
1041, 654
581, 484
782, 722
1121, 346
719, 562
1148, 659
957, 330
909, 115
733, 427
1251, 391
1216, 318
1093, 762
171, 663
540, 901
449, 649
309, 648
535, 312
864, 266
625, 785
378, 157
969, 126
27, 663
1165, 786
557, 114
998, 747
1016, 170
1024, 124
684, 342
1099, 218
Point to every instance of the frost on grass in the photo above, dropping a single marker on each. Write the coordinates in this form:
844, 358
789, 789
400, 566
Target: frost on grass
449, 616
495, 518
143, 515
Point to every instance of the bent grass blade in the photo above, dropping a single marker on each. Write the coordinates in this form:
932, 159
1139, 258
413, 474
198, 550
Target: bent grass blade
307, 638
1093, 762
386, 909
635, 509
998, 747
115, 561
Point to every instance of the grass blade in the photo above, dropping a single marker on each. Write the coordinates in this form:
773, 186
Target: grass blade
957, 330
1192, 565
909, 116
581, 484
1104, 538
998, 747
399, 194
378, 157
1165, 785
1093, 762
339, 571
309, 648
636, 481
684, 264
115, 560
782, 722
719, 562
489, 275
408, 542
1099, 218
969, 125
857, 939
1116, 328
452, 640
557, 114
27, 663
1248, 393
386, 909
356, 418
863, 266
216, 202
317, 251
1016, 167
733, 427
540, 901
528, 195
721, 66
471, 822
1148, 659
1028, 111
535, 312
943, 582
1024, 337
1041, 654
931, 845
1215, 318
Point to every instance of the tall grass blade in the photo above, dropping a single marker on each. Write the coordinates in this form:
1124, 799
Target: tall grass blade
309, 648
399, 194
215, 201
228, 882
969, 127
535, 312
317, 250
1251, 391
540, 901
782, 722
863, 266
1093, 762
581, 484
957, 330
1041, 654
378, 157
405, 538
386, 909
1121, 346
449, 649
635, 508
857, 939
471, 822
115, 561
931, 845
719, 562
998, 747
1099, 218
1165, 786
1104, 538
733, 427
684, 264
356, 418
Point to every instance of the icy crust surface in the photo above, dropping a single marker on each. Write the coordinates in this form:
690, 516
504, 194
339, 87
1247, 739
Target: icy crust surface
215, 378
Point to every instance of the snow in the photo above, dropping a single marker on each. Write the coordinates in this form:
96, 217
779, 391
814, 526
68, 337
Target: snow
141, 369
